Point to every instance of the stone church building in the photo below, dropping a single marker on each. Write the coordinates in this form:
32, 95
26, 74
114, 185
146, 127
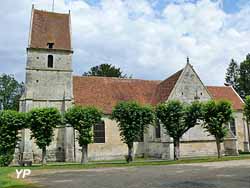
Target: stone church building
50, 83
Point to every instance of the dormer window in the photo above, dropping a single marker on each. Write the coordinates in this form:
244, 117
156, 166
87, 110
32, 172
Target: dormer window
50, 61
50, 45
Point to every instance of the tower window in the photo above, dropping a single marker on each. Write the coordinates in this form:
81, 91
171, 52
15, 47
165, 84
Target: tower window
50, 61
50, 45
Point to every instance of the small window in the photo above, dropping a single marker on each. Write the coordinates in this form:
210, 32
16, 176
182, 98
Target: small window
201, 93
50, 45
50, 61
157, 129
99, 132
232, 126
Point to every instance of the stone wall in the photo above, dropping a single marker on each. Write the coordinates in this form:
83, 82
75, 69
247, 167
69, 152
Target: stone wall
43, 83
113, 148
241, 130
189, 87
48, 87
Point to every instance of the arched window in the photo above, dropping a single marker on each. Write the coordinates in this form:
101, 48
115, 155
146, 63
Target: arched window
50, 61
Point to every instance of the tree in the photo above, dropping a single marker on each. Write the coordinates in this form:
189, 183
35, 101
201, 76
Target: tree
177, 118
105, 70
232, 75
247, 114
216, 115
244, 80
10, 123
133, 120
42, 123
10, 92
83, 119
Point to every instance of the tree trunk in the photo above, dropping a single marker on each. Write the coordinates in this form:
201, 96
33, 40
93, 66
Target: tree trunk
84, 154
130, 153
218, 147
176, 149
44, 161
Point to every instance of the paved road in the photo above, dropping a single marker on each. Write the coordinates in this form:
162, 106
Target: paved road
230, 174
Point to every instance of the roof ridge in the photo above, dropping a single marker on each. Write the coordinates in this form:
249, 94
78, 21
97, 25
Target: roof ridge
172, 75
218, 86
116, 78
50, 12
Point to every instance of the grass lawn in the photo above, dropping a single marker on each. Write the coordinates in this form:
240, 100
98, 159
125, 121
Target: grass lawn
6, 181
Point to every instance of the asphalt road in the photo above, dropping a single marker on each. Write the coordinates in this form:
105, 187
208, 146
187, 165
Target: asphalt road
230, 174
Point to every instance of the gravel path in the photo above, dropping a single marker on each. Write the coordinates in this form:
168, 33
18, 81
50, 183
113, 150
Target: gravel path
226, 174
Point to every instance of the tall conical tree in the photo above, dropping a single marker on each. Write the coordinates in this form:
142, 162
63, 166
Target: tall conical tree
232, 75
245, 77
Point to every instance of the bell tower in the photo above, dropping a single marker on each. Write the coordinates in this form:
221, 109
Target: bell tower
48, 80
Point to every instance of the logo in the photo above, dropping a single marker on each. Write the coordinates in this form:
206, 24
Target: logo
22, 173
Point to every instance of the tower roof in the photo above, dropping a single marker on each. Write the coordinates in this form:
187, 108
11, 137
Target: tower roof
50, 27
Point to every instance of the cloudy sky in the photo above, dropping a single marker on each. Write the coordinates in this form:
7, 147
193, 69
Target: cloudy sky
149, 39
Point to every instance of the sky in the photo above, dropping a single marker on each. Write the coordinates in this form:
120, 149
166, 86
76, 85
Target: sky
148, 39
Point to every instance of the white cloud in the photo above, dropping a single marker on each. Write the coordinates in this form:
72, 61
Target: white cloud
132, 35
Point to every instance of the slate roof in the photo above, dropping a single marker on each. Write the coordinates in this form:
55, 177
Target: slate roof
50, 27
227, 93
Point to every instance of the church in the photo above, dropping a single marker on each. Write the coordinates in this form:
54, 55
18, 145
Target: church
50, 83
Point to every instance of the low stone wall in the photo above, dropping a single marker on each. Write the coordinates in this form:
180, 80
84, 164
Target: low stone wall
199, 148
158, 150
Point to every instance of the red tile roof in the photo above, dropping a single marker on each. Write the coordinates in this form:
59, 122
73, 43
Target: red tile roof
50, 27
227, 93
164, 89
105, 92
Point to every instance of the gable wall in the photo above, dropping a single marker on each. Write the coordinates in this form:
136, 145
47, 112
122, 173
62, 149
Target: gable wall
188, 86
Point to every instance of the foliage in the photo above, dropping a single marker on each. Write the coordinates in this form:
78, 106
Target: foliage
83, 119
247, 109
216, 115
133, 119
42, 123
10, 123
244, 80
177, 118
6, 159
232, 75
10, 92
105, 70
239, 77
